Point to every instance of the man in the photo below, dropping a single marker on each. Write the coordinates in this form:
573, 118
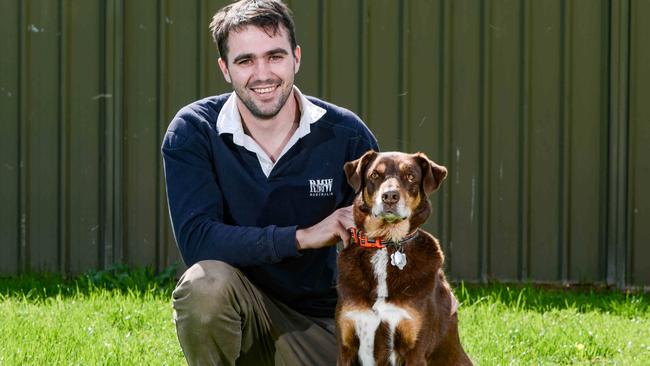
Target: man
258, 198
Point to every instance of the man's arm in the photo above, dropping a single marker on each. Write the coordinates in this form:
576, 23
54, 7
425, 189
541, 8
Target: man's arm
196, 207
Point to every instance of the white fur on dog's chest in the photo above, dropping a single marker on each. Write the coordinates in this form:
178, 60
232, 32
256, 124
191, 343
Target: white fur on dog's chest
366, 322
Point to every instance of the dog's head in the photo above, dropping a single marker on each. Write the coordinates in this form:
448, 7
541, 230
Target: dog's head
392, 189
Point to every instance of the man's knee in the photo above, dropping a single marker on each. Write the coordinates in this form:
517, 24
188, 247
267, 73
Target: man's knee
206, 288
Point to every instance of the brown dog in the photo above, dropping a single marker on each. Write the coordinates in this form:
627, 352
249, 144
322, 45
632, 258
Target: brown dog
395, 305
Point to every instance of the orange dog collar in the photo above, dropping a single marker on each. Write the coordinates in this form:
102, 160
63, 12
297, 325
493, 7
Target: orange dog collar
358, 237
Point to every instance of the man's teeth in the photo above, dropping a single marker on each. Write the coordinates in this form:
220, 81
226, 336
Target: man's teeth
264, 90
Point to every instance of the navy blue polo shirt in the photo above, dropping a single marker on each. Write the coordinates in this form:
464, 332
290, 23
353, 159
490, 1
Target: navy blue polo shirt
224, 207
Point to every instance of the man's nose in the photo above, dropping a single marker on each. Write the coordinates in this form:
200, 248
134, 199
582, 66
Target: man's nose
262, 70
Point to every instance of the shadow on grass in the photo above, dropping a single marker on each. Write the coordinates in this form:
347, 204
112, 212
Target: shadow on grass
543, 298
120, 278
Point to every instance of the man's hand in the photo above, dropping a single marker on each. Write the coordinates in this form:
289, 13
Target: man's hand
327, 232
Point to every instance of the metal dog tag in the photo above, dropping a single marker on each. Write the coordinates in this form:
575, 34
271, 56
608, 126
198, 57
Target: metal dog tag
398, 259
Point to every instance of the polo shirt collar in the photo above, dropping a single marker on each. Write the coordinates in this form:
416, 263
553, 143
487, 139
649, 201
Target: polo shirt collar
229, 121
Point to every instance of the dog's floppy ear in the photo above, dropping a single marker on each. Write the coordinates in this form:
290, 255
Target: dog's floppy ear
354, 169
433, 174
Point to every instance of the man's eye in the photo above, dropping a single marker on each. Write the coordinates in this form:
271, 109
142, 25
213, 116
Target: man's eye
276, 57
244, 62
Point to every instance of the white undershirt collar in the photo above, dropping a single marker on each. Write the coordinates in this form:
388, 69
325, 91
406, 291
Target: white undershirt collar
229, 121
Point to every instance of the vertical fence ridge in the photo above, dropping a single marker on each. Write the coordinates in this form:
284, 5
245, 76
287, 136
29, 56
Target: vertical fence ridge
402, 82
626, 194
163, 15
442, 229
107, 131
362, 72
605, 113
639, 135
202, 52
446, 35
118, 133
10, 104
322, 15
104, 235
524, 143
485, 152
63, 197
564, 202
618, 144
23, 130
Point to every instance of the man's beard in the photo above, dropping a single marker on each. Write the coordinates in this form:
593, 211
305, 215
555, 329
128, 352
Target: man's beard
255, 110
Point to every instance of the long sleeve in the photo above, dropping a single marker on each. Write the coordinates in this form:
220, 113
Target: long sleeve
196, 207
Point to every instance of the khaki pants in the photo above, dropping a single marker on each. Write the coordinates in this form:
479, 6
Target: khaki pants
223, 319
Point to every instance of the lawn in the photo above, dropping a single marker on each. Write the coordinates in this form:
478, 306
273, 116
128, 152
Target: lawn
123, 317
502, 325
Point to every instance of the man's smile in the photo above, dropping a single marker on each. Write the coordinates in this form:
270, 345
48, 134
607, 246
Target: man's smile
265, 90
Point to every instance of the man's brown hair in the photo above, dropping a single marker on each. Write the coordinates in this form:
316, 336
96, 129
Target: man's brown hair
265, 14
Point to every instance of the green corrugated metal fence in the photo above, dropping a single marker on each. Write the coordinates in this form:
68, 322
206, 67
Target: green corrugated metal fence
539, 109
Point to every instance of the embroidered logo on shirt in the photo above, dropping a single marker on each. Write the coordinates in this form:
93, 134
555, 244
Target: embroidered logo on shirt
320, 187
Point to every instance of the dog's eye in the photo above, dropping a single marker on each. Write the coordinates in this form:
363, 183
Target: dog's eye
410, 177
374, 175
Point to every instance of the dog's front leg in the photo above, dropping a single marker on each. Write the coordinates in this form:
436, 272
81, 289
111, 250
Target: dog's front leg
347, 356
348, 343
356, 336
409, 343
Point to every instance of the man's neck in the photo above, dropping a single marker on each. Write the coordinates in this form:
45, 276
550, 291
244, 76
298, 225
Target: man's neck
272, 135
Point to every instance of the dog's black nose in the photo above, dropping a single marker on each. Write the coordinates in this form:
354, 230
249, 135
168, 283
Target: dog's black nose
390, 197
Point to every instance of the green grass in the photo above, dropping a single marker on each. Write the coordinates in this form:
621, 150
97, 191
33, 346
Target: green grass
503, 325
123, 317
116, 317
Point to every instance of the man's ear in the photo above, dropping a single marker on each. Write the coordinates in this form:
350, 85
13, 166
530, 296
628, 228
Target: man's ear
354, 170
433, 174
296, 57
223, 65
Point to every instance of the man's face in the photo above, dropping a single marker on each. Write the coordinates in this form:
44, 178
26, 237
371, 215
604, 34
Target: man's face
261, 69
